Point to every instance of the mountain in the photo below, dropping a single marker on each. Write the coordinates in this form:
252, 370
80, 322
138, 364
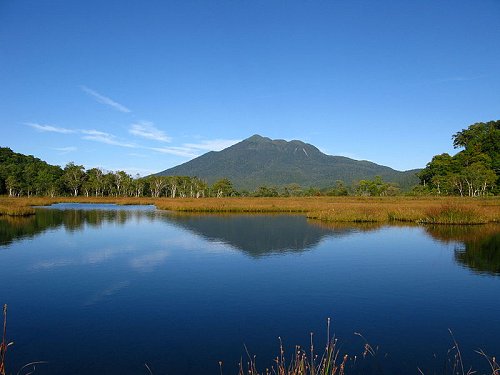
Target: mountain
258, 161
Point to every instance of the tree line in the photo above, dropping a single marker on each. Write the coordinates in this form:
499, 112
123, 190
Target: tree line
474, 171
25, 175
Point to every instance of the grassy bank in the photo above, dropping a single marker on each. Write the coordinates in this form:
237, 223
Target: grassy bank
429, 211
442, 210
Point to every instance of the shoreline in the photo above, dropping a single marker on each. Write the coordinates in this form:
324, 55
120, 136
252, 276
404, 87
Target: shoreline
418, 210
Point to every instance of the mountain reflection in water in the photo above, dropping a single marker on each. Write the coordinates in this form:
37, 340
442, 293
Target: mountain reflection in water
259, 235
477, 247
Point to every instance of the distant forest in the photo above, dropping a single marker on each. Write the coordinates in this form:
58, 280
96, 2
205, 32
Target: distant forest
474, 171
25, 175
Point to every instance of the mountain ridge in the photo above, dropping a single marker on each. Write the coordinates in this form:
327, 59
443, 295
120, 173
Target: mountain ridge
258, 160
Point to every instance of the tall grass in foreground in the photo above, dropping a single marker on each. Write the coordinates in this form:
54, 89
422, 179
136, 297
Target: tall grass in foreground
304, 362
332, 362
4, 344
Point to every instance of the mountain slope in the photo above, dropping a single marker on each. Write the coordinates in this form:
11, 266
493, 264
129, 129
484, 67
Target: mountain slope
258, 161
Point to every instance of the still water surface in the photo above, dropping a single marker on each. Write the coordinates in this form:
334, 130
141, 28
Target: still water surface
105, 289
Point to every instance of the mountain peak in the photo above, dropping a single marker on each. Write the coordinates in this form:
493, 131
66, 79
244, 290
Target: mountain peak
276, 148
257, 138
259, 160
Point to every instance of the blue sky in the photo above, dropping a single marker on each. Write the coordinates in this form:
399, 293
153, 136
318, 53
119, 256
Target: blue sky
144, 86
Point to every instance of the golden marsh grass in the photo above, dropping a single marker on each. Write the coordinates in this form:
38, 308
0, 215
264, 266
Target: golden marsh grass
430, 210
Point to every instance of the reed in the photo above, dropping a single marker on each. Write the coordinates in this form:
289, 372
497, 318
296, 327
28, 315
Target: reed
332, 362
4, 344
303, 362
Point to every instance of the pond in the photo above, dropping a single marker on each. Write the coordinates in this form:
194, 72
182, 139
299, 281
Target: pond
105, 289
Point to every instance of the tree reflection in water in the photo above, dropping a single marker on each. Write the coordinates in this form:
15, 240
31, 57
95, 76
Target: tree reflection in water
478, 246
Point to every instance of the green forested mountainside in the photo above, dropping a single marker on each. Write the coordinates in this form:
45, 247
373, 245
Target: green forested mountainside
26, 175
258, 161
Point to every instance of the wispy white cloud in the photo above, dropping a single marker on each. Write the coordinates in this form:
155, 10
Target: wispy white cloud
146, 129
105, 100
212, 145
50, 128
192, 150
142, 129
51, 264
132, 170
97, 256
102, 137
88, 134
107, 292
138, 155
93, 132
459, 79
177, 151
149, 262
65, 150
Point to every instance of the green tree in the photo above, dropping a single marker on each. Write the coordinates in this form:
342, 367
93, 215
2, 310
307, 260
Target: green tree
266, 191
29, 177
292, 190
312, 192
95, 181
199, 187
73, 177
478, 179
47, 181
375, 187
481, 138
157, 184
339, 189
138, 185
435, 171
108, 184
122, 182
13, 185
223, 188
474, 170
